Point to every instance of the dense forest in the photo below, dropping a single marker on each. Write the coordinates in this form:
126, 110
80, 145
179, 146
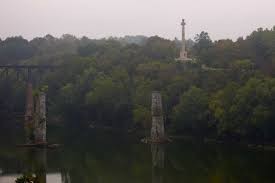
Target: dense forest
228, 92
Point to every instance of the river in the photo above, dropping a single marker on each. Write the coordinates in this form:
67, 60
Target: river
113, 158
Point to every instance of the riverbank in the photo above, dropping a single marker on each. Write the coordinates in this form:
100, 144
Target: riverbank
265, 146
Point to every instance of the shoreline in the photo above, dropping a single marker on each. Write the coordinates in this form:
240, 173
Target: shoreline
251, 145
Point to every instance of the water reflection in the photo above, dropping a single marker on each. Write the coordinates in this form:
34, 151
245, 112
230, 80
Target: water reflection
65, 177
38, 161
50, 178
107, 160
34, 169
158, 156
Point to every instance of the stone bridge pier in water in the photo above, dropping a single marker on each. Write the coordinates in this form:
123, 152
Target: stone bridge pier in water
35, 111
158, 135
35, 117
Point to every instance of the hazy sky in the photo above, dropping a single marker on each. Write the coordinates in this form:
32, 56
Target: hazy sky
104, 18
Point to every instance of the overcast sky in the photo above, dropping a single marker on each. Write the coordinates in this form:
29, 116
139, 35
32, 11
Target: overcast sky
104, 18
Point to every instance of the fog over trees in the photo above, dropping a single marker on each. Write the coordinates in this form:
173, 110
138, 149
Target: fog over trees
228, 93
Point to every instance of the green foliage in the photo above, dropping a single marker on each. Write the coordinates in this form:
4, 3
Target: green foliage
192, 111
110, 97
246, 110
109, 82
27, 178
202, 45
220, 105
160, 49
15, 49
142, 116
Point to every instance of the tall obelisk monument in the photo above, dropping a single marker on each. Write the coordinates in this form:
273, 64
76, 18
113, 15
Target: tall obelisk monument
183, 53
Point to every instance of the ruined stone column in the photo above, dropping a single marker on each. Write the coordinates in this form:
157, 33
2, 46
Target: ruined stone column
40, 118
28, 125
157, 130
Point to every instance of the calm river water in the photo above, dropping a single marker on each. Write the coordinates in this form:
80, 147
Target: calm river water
116, 159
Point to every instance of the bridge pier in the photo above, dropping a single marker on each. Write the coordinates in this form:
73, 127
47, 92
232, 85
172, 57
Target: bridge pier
29, 123
35, 117
157, 129
35, 111
40, 126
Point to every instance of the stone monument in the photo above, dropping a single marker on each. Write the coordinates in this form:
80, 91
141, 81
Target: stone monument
183, 53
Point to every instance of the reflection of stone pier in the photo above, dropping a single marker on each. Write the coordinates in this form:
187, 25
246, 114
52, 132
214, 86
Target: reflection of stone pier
157, 155
158, 158
40, 164
36, 167
65, 177
33, 167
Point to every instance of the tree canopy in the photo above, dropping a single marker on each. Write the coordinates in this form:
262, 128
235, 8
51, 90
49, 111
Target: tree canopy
108, 82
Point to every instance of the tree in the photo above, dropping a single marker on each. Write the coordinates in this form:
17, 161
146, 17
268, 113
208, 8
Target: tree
161, 49
110, 98
14, 49
191, 113
220, 106
245, 111
142, 117
201, 48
